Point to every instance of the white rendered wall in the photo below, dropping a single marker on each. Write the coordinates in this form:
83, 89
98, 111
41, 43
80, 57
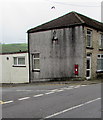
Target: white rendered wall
12, 74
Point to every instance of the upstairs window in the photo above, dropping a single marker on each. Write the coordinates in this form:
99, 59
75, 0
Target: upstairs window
100, 62
89, 38
101, 41
19, 61
36, 61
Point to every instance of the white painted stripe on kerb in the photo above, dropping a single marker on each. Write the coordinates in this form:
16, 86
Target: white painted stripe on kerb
38, 95
74, 107
24, 98
7, 102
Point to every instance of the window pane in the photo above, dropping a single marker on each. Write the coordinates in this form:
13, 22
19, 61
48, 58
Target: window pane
21, 61
89, 38
98, 56
36, 64
88, 41
36, 55
15, 61
87, 73
36, 61
102, 36
88, 64
88, 32
99, 64
101, 41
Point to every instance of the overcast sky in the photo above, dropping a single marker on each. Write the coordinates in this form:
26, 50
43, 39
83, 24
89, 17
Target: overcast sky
20, 15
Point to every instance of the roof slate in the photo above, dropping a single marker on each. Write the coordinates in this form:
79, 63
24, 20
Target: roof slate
68, 20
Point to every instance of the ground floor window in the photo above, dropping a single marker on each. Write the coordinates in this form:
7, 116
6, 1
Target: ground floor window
100, 62
36, 61
19, 61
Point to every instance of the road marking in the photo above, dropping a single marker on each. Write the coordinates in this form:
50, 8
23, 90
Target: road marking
49, 93
68, 88
38, 95
77, 86
1, 102
83, 85
54, 90
74, 107
28, 90
24, 98
59, 90
7, 102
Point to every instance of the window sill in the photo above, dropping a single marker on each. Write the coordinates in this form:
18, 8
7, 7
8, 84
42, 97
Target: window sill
99, 71
36, 70
101, 49
89, 47
18, 66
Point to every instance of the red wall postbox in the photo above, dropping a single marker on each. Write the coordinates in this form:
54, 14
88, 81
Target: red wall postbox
76, 69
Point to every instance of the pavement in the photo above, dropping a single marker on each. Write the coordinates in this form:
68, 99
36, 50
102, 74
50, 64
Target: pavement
70, 82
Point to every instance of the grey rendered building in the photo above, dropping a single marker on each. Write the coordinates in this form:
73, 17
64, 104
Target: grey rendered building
67, 47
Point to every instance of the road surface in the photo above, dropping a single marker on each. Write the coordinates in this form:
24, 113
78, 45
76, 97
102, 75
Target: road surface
52, 101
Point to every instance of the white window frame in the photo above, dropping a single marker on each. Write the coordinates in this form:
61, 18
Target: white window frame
101, 40
18, 61
90, 35
33, 58
99, 58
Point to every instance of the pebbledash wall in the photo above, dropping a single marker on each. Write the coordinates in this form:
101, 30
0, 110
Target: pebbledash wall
56, 47
14, 73
57, 60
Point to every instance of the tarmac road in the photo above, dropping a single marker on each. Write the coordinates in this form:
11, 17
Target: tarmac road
52, 101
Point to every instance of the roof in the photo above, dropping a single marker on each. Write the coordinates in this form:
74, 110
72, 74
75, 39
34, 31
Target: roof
13, 48
68, 20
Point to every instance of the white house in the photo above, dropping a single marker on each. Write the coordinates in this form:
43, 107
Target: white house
14, 63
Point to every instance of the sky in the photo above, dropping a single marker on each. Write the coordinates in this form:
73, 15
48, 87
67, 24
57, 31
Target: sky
18, 16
